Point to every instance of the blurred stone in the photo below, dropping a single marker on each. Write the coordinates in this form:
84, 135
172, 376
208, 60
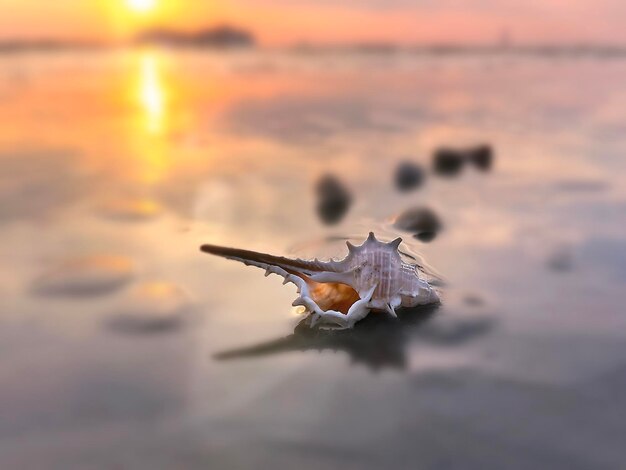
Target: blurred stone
447, 162
408, 176
425, 237
421, 221
85, 276
151, 307
481, 157
333, 199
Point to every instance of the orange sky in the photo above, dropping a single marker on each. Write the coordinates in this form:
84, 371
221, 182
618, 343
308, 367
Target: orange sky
281, 22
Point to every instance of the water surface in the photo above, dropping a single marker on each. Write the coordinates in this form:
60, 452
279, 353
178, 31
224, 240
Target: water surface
124, 346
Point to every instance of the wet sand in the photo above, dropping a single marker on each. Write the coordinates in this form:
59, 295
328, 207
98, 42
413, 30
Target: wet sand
124, 346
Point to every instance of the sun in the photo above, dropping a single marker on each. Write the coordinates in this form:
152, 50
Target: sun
141, 6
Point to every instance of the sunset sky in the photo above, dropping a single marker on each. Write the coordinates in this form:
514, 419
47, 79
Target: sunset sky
283, 22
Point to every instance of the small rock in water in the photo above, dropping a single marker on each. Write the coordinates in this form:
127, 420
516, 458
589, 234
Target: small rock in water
130, 210
85, 276
151, 307
333, 199
425, 237
481, 157
408, 176
447, 162
421, 221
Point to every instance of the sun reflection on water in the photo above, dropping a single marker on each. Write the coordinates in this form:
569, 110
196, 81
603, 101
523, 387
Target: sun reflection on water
152, 92
152, 98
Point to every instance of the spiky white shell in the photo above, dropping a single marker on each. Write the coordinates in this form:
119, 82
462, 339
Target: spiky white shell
379, 264
374, 270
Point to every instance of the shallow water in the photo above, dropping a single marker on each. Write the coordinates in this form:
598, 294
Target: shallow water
124, 346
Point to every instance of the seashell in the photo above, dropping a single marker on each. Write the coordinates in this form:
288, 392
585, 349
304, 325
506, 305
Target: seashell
372, 277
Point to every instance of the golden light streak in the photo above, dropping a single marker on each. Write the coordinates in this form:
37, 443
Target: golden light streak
154, 160
152, 92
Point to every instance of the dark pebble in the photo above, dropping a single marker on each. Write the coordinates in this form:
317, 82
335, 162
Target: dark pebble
408, 176
447, 162
481, 157
419, 220
333, 200
425, 237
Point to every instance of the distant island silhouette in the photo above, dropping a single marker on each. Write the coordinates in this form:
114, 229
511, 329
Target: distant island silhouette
223, 36
47, 45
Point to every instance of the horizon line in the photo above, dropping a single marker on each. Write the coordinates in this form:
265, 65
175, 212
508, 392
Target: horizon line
50, 43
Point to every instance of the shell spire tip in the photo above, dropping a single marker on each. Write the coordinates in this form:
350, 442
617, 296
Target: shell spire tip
395, 243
